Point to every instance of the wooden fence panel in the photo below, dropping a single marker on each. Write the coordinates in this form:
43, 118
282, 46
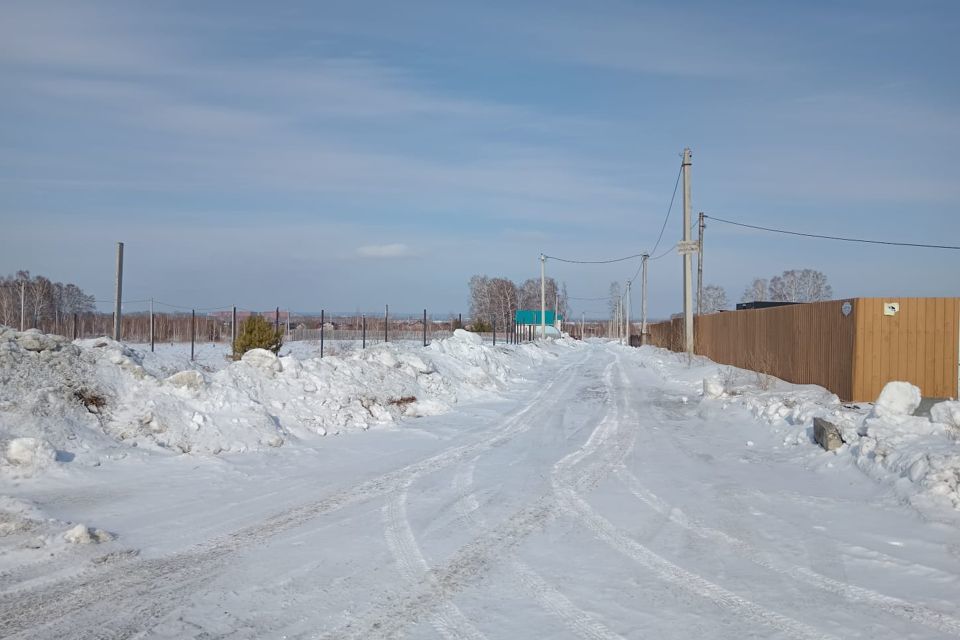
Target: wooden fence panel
854, 355
920, 344
805, 344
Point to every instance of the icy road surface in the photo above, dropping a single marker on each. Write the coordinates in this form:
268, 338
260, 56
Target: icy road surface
600, 500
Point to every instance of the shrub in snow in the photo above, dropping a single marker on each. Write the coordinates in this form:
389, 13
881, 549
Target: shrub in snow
897, 399
256, 332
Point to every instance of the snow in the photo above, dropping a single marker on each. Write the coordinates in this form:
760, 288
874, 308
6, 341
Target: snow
897, 399
947, 413
82, 534
555, 489
164, 403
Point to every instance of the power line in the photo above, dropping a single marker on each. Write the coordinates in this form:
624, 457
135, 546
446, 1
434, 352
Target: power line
624, 259
669, 210
826, 237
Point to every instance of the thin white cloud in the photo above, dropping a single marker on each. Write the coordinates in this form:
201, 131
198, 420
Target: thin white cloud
394, 250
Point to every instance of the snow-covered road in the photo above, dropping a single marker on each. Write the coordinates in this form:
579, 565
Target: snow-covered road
599, 499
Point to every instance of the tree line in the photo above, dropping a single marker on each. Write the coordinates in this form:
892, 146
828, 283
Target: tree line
500, 298
46, 304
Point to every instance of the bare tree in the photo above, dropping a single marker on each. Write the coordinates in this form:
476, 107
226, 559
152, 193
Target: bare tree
500, 298
47, 303
800, 285
714, 299
480, 297
530, 294
756, 292
504, 300
615, 294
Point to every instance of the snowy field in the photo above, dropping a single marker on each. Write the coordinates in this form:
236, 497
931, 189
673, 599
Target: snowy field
558, 490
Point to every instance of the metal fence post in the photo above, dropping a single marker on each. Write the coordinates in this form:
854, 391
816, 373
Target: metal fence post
424, 327
193, 331
363, 331
321, 331
386, 322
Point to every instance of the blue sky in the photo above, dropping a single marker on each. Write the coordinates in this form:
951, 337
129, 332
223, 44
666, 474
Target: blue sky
347, 155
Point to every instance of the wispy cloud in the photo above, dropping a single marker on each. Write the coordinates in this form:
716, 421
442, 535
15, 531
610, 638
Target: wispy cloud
394, 250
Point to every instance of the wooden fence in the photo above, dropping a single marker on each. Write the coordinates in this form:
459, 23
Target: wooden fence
851, 347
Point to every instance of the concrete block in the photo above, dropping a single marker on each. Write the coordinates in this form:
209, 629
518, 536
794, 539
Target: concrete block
826, 434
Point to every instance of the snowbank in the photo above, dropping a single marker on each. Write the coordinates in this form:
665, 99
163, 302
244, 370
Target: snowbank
98, 399
919, 456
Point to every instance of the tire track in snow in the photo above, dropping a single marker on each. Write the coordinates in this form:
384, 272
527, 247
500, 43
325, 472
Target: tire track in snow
449, 621
915, 613
890, 604
431, 590
119, 593
566, 485
577, 620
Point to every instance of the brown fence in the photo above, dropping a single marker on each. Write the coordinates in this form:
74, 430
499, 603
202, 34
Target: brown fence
851, 347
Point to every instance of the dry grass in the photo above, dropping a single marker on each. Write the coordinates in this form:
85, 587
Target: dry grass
762, 363
403, 401
93, 401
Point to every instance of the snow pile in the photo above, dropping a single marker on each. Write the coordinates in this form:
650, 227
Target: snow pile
29, 455
920, 456
948, 414
897, 399
82, 534
98, 398
28, 535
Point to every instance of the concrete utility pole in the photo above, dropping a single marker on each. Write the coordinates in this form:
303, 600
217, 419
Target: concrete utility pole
119, 294
23, 306
151, 325
629, 302
643, 302
700, 227
619, 317
543, 296
687, 259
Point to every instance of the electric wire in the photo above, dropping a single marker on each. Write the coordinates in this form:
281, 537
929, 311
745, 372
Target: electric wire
624, 259
840, 238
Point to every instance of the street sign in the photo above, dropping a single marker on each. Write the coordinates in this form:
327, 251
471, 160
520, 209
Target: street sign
687, 246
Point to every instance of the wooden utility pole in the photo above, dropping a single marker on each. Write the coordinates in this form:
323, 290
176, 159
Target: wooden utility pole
687, 259
700, 226
119, 294
233, 333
